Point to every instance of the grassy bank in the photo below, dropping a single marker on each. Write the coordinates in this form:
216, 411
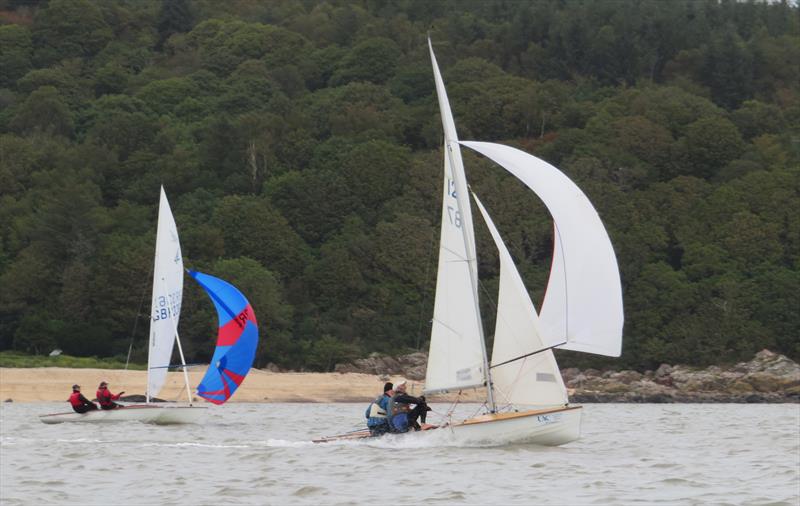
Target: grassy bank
16, 359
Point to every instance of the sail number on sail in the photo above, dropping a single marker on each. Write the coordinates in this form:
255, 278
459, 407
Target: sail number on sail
165, 310
453, 213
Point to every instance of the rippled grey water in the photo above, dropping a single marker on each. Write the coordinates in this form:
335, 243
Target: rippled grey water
260, 454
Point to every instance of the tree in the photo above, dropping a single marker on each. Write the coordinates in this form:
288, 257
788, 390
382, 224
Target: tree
44, 111
175, 17
712, 143
15, 53
371, 60
68, 29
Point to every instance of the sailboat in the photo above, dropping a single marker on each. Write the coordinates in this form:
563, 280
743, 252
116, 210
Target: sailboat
237, 339
526, 399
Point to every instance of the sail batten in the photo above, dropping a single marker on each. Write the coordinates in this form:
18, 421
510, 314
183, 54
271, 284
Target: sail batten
583, 300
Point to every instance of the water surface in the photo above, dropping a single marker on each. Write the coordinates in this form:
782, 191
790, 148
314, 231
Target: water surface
260, 454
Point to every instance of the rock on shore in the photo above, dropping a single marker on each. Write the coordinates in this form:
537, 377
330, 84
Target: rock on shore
768, 377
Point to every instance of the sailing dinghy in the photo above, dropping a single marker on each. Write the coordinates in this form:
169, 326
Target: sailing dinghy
526, 400
237, 339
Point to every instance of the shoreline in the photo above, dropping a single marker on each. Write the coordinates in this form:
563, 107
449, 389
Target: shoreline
54, 384
667, 385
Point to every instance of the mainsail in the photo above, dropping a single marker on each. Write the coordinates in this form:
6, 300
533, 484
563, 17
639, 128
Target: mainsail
519, 379
167, 296
237, 340
583, 301
457, 352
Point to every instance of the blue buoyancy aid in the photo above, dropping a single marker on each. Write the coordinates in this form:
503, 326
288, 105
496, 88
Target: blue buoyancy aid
398, 413
376, 412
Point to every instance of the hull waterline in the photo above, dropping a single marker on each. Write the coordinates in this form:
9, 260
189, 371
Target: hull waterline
144, 413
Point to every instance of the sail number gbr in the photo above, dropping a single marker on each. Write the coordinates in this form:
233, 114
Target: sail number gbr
164, 307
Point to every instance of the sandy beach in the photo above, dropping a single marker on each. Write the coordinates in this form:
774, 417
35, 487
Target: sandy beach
53, 384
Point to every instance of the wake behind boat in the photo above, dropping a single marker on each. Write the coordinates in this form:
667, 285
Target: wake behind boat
237, 339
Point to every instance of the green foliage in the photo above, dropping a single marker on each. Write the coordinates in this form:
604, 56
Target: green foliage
15, 53
300, 146
16, 359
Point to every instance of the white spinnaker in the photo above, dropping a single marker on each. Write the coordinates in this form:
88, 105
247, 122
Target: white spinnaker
583, 301
534, 380
457, 350
167, 296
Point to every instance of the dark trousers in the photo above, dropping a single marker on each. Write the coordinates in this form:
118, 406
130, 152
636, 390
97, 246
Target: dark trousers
84, 408
420, 411
112, 405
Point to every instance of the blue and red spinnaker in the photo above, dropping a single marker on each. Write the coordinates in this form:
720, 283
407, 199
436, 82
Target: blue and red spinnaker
236, 341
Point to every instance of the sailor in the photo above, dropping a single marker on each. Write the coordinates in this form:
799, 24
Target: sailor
106, 398
377, 421
402, 415
80, 403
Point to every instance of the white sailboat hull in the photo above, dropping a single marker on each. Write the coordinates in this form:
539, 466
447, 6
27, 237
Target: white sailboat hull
144, 413
547, 427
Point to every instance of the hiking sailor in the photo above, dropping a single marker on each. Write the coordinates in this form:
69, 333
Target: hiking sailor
402, 416
377, 421
80, 404
106, 398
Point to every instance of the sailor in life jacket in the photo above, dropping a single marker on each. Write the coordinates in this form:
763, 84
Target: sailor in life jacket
402, 416
79, 403
106, 398
377, 420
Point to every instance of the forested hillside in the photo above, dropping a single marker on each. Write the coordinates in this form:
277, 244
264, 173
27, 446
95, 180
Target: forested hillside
299, 143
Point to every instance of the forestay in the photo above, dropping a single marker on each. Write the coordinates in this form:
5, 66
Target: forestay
583, 301
167, 296
237, 339
457, 353
533, 380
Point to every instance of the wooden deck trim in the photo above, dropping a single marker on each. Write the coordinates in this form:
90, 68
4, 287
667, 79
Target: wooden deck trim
494, 417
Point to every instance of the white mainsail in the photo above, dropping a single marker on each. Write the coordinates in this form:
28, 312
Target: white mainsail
533, 380
167, 296
583, 301
457, 357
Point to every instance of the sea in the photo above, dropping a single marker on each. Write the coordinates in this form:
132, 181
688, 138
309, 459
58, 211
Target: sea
665, 454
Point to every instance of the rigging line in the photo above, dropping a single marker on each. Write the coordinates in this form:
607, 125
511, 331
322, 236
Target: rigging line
424, 292
138, 314
460, 258
527, 355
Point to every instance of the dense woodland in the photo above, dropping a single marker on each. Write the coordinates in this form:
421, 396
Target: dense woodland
299, 143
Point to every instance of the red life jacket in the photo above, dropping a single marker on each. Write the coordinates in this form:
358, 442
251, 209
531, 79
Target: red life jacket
75, 400
104, 397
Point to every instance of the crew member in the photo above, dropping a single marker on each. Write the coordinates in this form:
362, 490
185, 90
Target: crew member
377, 420
80, 403
106, 398
402, 416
